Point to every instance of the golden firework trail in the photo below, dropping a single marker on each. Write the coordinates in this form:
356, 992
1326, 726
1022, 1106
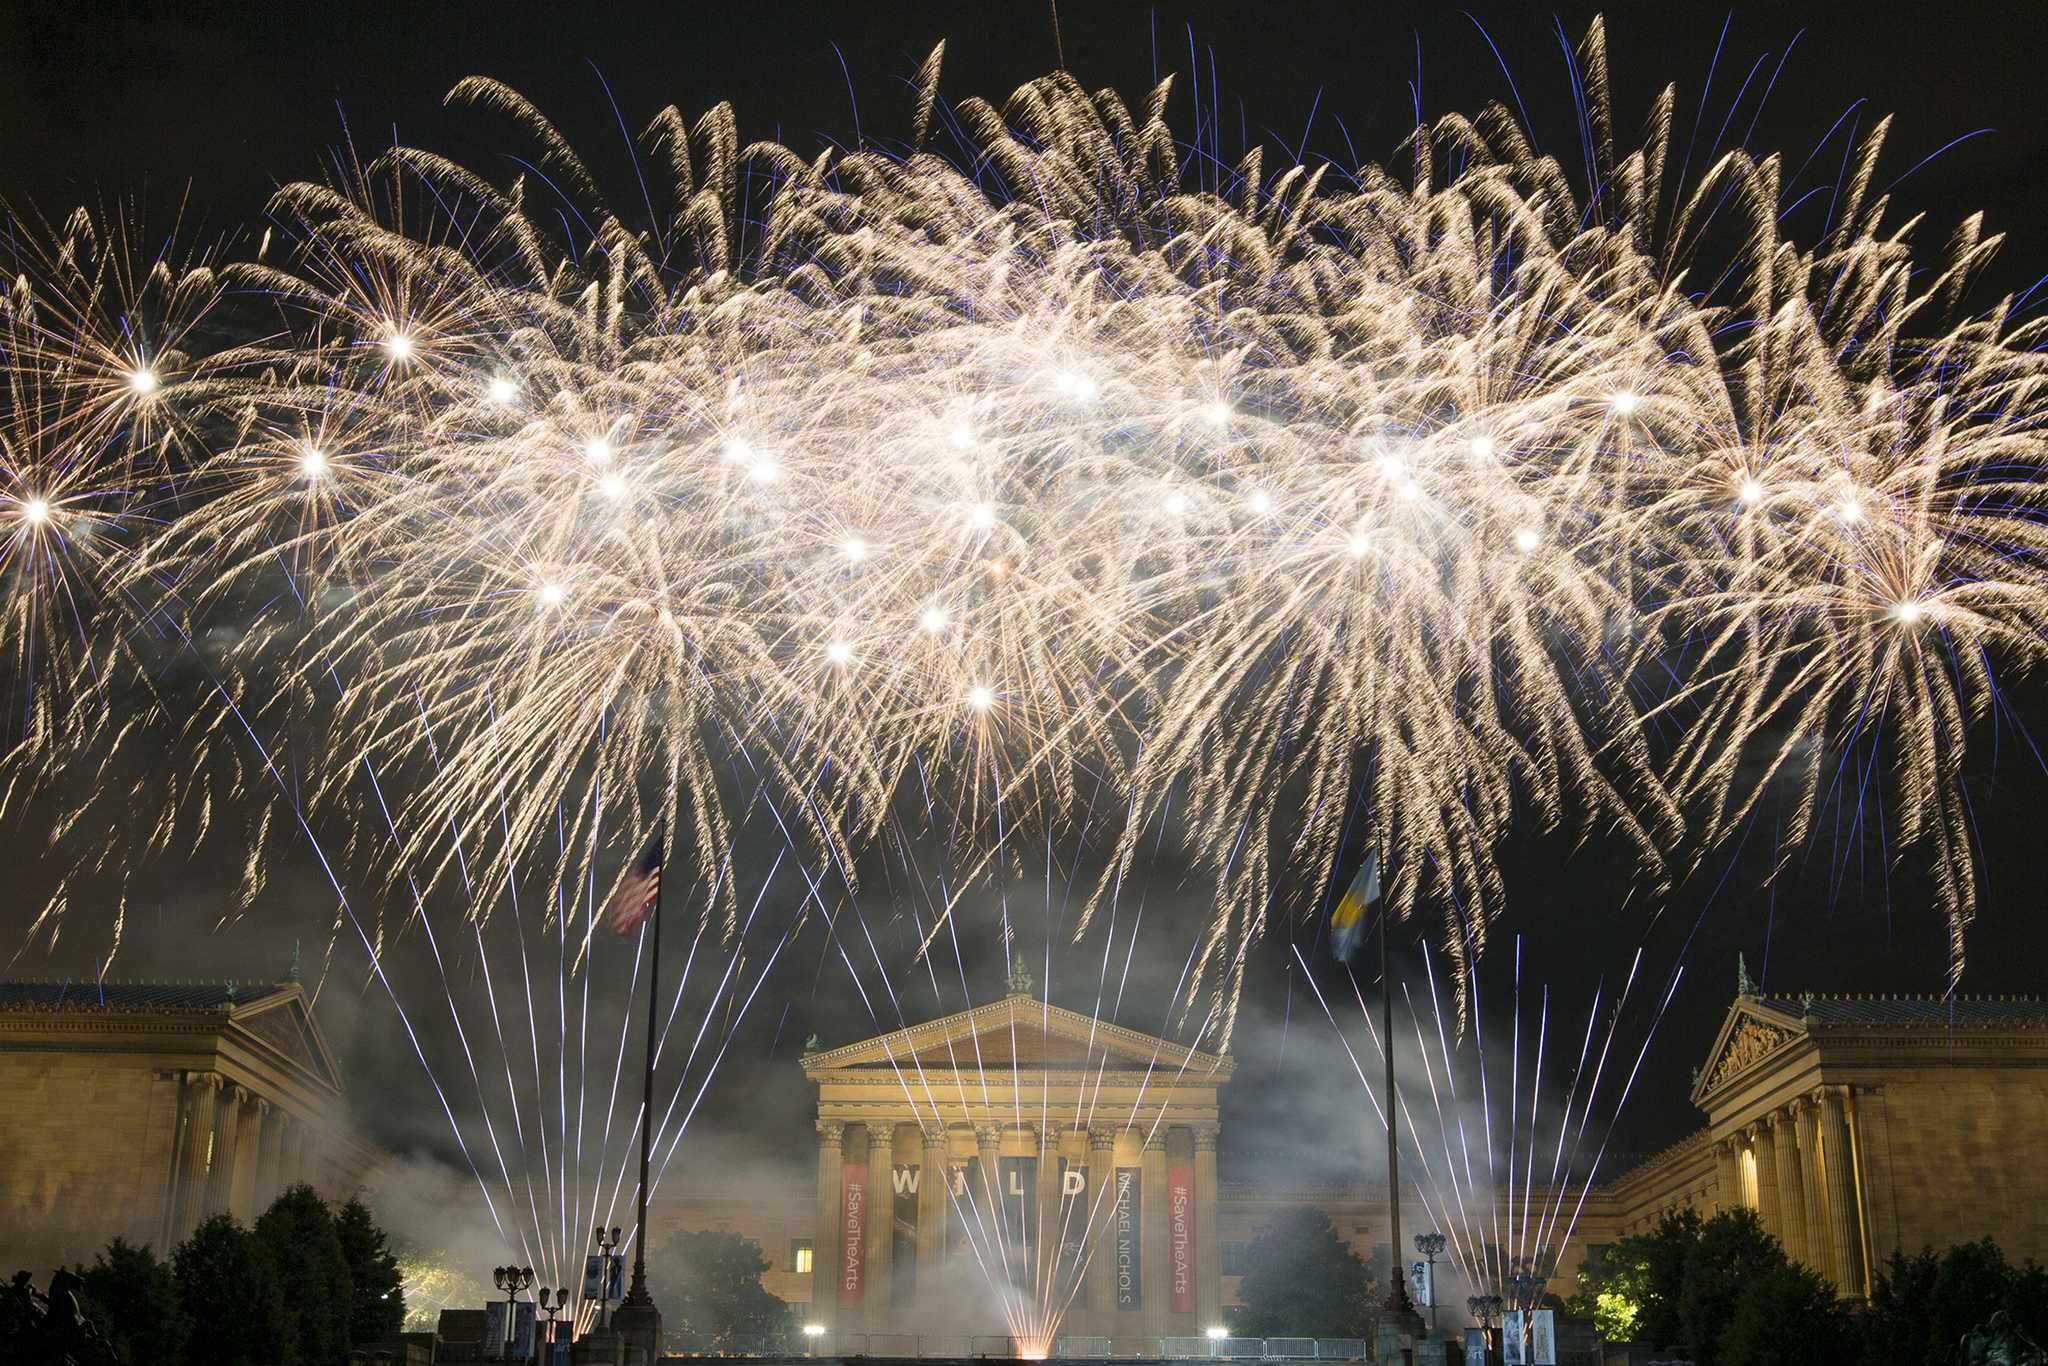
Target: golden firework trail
1448, 491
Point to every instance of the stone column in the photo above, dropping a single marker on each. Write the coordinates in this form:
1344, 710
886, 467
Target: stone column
1154, 1229
291, 1162
1845, 1229
1806, 1122
1100, 1239
1208, 1252
825, 1243
986, 1209
1727, 1176
1045, 1257
244, 1199
269, 1154
1763, 1151
199, 1100
881, 1267
932, 1200
220, 1168
1784, 1145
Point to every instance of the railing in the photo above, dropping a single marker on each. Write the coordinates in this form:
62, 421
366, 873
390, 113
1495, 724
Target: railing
963, 1347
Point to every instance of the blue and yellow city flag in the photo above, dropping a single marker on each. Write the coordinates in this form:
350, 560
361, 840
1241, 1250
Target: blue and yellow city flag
1347, 917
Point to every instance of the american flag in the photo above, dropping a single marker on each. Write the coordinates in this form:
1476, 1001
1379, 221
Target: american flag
636, 895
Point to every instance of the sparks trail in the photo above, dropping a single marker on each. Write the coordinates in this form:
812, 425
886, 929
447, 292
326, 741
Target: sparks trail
1484, 491
1497, 1216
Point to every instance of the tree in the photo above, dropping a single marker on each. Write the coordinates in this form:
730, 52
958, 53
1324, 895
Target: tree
1302, 1280
1599, 1297
1784, 1315
133, 1296
298, 1233
1973, 1283
709, 1282
229, 1292
1731, 1250
1922, 1307
1637, 1289
1895, 1327
377, 1291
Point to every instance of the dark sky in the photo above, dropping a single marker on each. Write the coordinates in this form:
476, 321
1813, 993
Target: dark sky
215, 105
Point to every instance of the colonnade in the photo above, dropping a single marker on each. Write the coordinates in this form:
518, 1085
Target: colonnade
1125, 1257
234, 1152
1796, 1166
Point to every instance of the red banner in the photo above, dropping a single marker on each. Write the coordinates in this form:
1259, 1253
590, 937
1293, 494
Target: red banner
1180, 1237
853, 1233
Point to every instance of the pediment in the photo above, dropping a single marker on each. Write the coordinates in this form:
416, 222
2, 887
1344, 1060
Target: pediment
284, 1025
1751, 1033
1016, 1033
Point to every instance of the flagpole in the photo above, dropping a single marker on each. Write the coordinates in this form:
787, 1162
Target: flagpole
637, 1296
1398, 1303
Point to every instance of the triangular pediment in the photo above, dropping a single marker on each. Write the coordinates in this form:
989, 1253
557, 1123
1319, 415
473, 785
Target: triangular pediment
1017, 1033
282, 1024
1751, 1033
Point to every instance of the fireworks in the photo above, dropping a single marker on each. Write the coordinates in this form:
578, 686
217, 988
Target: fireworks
983, 484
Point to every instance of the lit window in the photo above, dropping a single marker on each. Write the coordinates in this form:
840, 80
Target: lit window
800, 1255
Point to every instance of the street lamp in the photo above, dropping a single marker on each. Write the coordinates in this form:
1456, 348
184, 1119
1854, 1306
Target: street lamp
815, 1334
608, 1255
1485, 1308
1431, 1246
561, 1302
512, 1280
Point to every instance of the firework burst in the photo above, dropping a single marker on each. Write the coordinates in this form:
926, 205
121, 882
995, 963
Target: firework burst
982, 484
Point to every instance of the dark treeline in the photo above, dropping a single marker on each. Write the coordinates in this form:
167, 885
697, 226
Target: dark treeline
300, 1287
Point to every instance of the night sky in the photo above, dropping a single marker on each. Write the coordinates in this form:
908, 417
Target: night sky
203, 112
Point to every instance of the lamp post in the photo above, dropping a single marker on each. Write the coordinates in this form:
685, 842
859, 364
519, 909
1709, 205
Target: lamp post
1431, 1246
512, 1280
1485, 1308
608, 1256
561, 1302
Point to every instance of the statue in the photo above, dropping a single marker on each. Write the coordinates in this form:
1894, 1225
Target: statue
1743, 986
811, 1044
1020, 981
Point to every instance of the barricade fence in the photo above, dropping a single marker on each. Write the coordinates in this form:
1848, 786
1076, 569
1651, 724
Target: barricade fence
1003, 1348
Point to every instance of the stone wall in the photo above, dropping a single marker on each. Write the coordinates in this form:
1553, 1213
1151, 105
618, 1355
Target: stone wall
85, 1150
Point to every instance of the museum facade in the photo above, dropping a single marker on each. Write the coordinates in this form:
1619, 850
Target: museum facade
1852, 1125
136, 1109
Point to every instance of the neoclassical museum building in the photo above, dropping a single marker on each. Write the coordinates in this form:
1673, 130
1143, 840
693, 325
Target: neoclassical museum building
135, 1109
1020, 1144
1853, 1125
